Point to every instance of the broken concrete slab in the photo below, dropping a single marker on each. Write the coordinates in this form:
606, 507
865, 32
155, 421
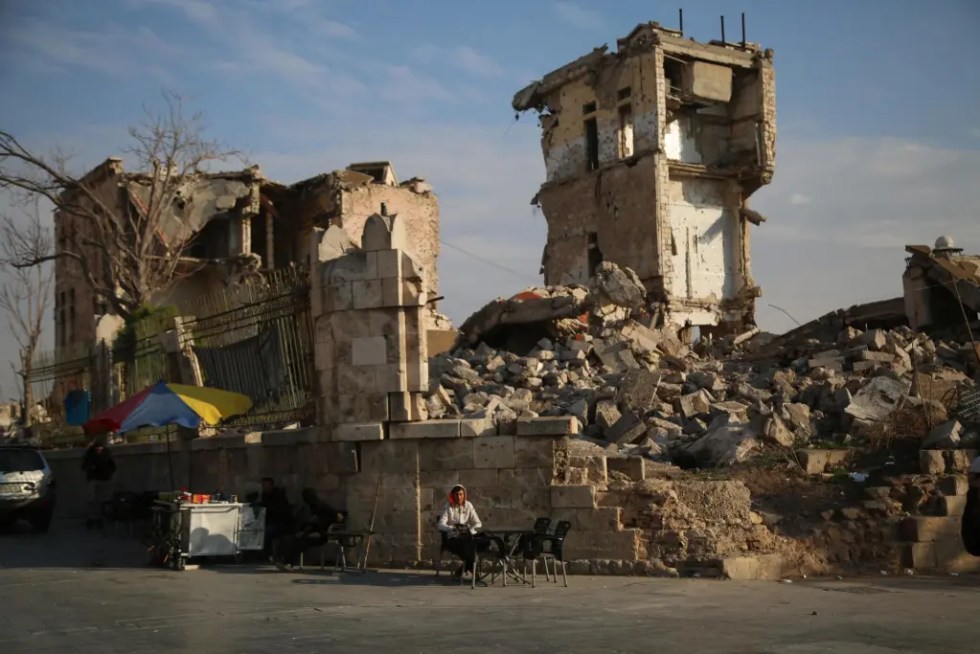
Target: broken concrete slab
638, 390
878, 398
694, 404
944, 436
775, 431
548, 426
725, 444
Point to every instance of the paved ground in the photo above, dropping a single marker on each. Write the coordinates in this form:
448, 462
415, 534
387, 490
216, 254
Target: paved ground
51, 599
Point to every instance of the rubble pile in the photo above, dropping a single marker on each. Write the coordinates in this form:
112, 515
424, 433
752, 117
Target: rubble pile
637, 389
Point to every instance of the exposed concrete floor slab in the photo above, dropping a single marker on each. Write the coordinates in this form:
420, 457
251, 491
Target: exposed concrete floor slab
53, 600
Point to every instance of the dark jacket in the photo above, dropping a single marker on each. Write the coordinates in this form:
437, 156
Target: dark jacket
316, 515
970, 527
277, 509
98, 466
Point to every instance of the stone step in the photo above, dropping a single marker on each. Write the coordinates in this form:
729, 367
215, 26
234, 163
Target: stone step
943, 556
953, 505
928, 529
767, 567
938, 462
953, 485
816, 461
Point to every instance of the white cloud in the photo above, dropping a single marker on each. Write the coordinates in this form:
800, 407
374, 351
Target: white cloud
576, 16
799, 198
469, 60
868, 198
405, 85
109, 50
460, 57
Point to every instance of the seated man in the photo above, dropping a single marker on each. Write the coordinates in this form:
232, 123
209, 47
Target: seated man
460, 521
313, 520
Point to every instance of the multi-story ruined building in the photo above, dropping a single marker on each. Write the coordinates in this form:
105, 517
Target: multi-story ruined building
235, 224
651, 153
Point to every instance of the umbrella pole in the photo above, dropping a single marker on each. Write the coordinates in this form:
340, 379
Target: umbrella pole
170, 462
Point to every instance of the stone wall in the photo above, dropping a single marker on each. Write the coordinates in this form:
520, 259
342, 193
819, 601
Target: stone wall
626, 516
510, 480
370, 335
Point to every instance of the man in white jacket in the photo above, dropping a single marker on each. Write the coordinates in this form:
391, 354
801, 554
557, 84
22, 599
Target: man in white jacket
460, 522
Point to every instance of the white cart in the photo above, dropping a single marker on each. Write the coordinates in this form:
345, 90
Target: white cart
183, 531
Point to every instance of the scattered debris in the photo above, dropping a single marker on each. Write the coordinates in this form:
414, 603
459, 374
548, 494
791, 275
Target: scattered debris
593, 352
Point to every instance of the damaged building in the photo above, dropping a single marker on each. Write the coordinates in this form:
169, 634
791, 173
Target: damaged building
942, 285
232, 225
651, 153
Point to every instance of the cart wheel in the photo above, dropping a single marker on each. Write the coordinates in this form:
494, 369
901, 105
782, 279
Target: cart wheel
177, 563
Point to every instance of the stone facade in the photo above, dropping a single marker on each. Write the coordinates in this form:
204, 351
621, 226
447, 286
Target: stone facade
368, 308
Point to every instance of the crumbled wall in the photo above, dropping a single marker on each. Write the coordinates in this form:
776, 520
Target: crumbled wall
621, 217
68, 278
347, 199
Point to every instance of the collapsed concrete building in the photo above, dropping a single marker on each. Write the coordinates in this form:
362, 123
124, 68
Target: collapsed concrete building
651, 154
230, 225
942, 285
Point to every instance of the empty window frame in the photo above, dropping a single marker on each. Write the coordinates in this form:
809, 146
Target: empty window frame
591, 130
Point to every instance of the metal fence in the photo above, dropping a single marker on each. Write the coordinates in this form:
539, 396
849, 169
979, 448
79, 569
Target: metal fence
968, 410
257, 340
254, 338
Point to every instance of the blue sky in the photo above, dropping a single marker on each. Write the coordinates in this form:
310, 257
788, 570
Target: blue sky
878, 108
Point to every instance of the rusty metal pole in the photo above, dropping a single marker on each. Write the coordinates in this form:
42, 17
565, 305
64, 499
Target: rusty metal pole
966, 321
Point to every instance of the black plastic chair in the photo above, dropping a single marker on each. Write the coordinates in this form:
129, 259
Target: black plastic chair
552, 547
122, 510
443, 548
530, 548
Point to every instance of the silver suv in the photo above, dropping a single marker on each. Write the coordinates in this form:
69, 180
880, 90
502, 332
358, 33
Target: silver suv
26, 487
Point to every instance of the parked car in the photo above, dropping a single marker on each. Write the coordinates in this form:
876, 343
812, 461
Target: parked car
26, 487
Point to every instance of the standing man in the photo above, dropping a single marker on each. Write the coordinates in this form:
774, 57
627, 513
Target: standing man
99, 468
460, 521
970, 525
278, 513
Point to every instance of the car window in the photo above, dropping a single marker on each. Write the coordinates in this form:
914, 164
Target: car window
20, 461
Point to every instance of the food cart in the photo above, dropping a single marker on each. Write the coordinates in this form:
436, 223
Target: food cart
189, 529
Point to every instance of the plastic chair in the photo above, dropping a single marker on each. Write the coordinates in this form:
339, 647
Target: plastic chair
552, 546
443, 548
531, 548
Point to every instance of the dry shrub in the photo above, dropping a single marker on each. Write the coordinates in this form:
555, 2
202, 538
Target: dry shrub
906, 423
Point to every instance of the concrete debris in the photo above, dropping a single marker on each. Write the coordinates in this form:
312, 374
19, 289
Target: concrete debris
633, 384
946, 436
878, 399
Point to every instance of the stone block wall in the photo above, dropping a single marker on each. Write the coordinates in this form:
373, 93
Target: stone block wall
370, 333
511, 481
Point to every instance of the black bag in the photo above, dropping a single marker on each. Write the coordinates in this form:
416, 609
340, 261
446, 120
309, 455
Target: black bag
970, 528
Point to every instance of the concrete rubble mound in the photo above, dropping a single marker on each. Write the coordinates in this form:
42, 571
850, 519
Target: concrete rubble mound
595, 353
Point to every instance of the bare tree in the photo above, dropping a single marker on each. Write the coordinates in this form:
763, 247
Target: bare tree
127, 243
25, 295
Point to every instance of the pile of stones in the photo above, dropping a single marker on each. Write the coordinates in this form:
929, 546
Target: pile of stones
639, 390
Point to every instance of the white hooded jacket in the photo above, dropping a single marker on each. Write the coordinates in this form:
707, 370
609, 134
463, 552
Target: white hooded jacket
453, 514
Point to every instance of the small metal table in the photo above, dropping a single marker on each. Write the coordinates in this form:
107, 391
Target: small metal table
508, 541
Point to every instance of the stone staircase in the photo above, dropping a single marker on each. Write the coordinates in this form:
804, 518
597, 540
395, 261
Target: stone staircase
930, 542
